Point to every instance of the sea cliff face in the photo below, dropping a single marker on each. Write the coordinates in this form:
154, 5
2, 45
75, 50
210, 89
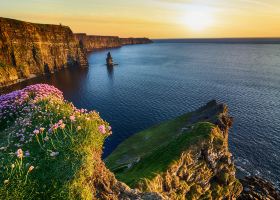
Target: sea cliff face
28, 49
94, 42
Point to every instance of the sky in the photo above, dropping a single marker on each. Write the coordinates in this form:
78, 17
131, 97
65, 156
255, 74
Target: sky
154, 18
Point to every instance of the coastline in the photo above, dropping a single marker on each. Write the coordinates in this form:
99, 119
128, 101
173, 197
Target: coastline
251, 183
30, 50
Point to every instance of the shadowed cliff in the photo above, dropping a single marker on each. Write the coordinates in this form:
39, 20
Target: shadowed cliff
95, 42
28, 50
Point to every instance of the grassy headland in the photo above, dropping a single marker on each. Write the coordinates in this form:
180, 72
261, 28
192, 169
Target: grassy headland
184, 158
147, 153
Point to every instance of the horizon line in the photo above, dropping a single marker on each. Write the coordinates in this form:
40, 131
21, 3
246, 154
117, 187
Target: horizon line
216, 38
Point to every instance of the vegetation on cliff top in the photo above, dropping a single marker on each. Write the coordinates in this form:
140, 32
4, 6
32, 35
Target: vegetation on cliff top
151, 151
47, 145
184, 158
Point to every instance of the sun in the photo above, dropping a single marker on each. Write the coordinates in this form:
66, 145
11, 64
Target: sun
198, 20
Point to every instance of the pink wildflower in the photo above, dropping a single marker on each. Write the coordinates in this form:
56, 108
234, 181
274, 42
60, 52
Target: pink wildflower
62, 126
72, 118
36, 131
55, 127
19, 153
102, 129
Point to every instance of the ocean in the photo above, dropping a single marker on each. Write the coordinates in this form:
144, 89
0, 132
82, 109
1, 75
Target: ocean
156, 82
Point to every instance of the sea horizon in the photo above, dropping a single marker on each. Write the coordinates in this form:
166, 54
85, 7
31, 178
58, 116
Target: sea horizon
226, 40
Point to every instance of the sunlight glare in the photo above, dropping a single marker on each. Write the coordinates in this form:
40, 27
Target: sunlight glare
198, 20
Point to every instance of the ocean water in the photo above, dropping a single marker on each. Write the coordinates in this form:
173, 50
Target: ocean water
159, 81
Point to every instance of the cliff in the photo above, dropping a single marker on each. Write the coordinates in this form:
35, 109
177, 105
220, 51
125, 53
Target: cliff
185, 158
49, 148
94, 42
28, 49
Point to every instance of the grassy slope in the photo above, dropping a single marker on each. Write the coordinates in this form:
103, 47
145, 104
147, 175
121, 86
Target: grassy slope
153, 150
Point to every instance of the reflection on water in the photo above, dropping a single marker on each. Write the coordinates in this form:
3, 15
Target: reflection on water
68, 80
110, 70
156, 82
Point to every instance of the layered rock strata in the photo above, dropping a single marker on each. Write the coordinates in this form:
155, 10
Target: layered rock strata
29, 49
95, 42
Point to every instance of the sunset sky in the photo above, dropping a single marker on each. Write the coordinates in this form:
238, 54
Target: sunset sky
154, 18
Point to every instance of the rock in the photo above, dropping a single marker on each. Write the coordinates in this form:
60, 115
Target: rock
109, 60
256, 188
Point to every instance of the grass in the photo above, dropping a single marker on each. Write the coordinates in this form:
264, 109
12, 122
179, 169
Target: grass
151, 151
58, 144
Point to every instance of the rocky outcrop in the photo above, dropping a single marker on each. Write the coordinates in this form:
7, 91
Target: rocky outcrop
95, 42
203, 168
28, 49
105, 186
256, 188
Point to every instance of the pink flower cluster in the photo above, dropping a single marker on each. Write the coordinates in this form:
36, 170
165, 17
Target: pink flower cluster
21, 100
59, 124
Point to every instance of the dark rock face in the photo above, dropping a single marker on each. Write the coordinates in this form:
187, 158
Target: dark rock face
256, 188
109, 60
95, 42
28, 49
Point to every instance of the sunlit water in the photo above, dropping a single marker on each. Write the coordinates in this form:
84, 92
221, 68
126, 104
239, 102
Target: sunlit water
159, 81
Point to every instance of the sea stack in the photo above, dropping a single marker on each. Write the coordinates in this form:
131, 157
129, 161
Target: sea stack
109, 60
